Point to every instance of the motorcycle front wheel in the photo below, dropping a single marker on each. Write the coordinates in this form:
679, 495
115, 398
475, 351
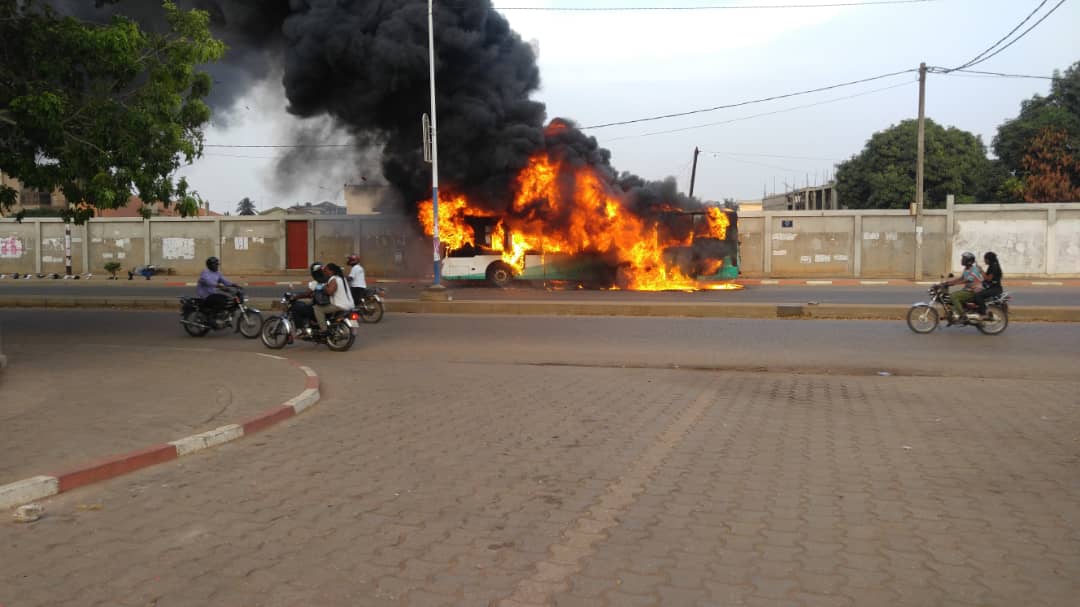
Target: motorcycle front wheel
371, 311
198, 319
250, 323
274, 333
996, 321
340, 338
922, 319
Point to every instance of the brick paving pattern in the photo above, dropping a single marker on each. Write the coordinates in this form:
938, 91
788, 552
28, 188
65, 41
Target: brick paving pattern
480, 484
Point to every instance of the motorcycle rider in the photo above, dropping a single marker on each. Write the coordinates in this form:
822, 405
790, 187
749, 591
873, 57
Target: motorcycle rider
972, 279
206, 289
991, 281
339, 297
357, 279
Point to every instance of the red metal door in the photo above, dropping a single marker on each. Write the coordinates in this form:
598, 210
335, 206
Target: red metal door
296, 245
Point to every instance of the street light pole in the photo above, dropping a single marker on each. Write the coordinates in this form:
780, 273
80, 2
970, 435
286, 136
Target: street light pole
434, 146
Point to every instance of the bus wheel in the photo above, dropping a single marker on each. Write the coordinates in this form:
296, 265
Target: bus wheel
500, 274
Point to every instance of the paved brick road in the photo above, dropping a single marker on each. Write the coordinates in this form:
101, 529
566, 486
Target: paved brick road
434, 483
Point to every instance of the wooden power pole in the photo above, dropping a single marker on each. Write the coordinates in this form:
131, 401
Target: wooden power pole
693, 171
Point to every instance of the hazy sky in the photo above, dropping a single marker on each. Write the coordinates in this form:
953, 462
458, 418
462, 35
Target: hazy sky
600, 67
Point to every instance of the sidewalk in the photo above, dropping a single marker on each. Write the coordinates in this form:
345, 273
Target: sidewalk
65, 408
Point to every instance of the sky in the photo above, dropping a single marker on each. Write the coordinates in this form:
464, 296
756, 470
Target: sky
611, 66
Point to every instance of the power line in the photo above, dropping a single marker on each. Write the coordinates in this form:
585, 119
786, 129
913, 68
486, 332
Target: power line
785, 110
981, 74
983, 56
769, 155
750, 102
713, 7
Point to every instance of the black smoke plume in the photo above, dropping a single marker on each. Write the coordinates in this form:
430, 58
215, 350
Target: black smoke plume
364, 63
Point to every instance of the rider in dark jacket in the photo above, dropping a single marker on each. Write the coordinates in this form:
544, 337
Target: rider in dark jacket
991, 281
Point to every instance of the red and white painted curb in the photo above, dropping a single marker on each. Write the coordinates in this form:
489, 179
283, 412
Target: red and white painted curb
38, 487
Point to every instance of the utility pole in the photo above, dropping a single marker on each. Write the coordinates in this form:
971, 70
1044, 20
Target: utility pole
919, 158
436, 291
693, 171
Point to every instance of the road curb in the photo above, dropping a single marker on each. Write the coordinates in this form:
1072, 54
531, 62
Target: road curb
42, 486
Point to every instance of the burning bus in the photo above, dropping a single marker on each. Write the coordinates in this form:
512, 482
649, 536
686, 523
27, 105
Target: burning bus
566, 223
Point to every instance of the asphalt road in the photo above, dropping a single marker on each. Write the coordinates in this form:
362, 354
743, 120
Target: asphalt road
1024, 351
530, 461
1033, 296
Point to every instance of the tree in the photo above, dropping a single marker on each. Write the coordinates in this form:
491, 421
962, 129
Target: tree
102, 111
1052, 169
882, 176
1060, 110
245, 207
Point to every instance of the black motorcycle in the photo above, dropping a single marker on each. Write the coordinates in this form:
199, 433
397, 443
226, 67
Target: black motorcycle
298, 322
924, 316
198, 320
370, 304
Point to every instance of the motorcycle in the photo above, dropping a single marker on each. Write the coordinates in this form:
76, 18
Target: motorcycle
296, 323
370, 306
924, 316
198, 321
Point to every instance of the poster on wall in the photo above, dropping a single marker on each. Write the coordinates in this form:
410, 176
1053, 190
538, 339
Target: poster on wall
11, 248
178, 248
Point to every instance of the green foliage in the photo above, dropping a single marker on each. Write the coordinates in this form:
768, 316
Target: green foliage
102, 111
246, 206
1058, 111
882, 176
113, 267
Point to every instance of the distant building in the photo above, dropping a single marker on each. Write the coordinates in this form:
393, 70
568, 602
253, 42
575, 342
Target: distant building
318, 209
371, 198
32, 200
813, 198
29, 199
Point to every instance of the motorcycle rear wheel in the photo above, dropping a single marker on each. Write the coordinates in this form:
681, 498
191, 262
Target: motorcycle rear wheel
274, 333
340, 337
371, 311
195, 317
997, 319
922, 319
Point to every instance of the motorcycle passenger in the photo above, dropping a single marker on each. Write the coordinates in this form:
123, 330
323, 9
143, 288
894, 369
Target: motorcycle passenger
357, 279
991, 281
338, 292
972, 279
206, 289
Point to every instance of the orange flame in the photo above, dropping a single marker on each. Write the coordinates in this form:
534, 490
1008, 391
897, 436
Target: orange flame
591, 219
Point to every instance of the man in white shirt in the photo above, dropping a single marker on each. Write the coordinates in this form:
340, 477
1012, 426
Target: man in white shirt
357, 279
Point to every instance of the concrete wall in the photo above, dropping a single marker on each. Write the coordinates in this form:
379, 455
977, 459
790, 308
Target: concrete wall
53, 248
18, 247
1038, 240
335, 239
751, 241
808, 245
1066, 243
183, 245
122, 241
252, 246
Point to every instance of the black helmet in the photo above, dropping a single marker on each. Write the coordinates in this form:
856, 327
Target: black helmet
213, 263
967, 259
316, 272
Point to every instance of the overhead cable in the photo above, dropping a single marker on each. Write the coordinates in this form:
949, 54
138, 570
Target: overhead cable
785, 110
